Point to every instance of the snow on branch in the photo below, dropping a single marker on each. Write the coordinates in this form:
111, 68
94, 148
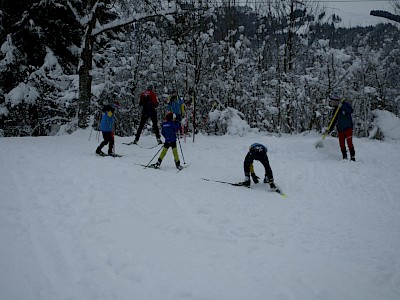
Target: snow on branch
136, 17
74, 12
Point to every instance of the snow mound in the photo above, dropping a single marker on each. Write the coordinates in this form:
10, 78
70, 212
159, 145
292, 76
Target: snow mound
387, 123
229, 121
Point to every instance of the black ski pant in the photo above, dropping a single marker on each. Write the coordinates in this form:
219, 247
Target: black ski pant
263, 158
108, 139
143, 121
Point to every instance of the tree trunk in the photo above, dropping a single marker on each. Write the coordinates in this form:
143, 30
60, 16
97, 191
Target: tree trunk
85, 84
85, 79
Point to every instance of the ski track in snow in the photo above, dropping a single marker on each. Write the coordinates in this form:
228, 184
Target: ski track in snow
77, 226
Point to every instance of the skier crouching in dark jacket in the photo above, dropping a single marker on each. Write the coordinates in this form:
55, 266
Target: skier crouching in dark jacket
169, 130
257, 152
107, 128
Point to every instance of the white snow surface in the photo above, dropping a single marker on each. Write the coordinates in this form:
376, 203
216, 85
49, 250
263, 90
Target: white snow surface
74, 225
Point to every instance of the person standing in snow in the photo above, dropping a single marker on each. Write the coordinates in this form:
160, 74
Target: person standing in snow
107, 128
344, 124
168, 130
149, 101
257, 152
176, 105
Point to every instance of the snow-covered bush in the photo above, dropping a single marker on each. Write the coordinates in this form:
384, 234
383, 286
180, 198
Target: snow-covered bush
385, 125
229, 121
41, 104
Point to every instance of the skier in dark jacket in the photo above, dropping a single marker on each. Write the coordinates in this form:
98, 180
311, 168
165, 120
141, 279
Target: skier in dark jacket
149, 101
257, 152
107, 128
169, 129
344, 124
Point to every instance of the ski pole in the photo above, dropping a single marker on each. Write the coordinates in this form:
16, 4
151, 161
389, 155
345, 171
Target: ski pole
180, 146
320, 143
154, 156
98, 129
113, 138
90, 135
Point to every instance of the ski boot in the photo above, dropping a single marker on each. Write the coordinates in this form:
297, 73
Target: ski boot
344, 153
352, 154
178, 165
156, 165
99, 152
246, 181
270, 182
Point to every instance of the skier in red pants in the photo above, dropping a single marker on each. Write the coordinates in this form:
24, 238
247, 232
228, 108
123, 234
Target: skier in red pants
344, 124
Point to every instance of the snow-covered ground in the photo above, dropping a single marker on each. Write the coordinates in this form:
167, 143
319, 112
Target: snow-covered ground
77, 226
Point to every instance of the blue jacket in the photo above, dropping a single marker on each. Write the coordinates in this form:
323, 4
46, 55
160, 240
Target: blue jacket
257, 147
107, 122
343, 119
168, 130
176, 106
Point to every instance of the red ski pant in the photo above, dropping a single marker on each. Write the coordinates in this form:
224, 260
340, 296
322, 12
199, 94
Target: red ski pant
346, 135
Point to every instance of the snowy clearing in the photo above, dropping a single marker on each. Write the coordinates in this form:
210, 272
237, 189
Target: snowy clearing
77, 226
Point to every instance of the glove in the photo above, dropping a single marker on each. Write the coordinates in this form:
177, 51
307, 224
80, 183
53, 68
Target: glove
326, 131
255, 177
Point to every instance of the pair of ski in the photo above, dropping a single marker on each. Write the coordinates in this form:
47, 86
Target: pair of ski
153, 166
277, 190
133, 143
102, 154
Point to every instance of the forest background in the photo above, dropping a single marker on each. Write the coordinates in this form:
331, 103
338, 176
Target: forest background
271, 64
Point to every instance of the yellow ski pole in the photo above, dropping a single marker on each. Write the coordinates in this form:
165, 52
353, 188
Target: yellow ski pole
320, 143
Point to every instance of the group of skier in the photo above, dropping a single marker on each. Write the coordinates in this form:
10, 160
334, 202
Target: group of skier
148, 100
171, 128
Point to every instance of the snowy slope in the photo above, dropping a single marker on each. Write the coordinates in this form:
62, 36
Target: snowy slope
77, 226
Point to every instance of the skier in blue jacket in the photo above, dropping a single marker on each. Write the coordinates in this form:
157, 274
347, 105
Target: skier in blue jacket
257, 152
176, 105
168, 130
107, 128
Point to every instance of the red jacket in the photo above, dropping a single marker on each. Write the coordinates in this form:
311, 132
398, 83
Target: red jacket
148, 98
